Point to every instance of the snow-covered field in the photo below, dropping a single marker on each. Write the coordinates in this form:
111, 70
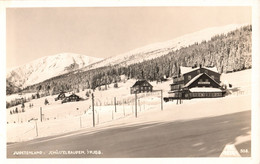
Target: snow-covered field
59, 118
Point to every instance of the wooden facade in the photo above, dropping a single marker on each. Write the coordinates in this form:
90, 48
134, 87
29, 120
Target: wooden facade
61, 96
73, 97
141, 86
197, 83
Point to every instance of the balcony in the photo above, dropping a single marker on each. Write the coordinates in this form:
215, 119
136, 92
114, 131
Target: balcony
176, 80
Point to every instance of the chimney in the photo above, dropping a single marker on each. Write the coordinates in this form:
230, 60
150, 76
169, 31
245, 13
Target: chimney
200, 65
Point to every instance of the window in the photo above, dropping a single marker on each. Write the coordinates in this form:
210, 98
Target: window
189, 77
198, 71
206, 80
206, 71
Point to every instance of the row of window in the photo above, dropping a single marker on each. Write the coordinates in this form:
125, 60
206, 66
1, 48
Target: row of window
146, 88
201, 80
176, 87
145, 84
145, 91
203, 94
205, 71
199, 94
142, 89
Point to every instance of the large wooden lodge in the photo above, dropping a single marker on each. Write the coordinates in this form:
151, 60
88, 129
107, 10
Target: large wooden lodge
198, 82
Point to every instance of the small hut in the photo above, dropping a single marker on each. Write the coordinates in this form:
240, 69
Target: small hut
71, 98
61, 96
141, 86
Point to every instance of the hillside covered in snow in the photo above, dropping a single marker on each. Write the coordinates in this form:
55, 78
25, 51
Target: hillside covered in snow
228, 52
227, 48
162, 48
47, 67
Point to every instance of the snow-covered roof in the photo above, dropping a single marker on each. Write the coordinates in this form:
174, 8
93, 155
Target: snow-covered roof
192, 80
141, 82
203, 89
214, 69
198, 76
185, 70
67, 94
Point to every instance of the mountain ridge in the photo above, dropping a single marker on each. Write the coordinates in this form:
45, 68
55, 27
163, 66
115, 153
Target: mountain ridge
137, 55
158, 49
47, 67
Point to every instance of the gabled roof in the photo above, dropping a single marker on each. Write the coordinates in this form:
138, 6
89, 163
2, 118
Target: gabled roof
140, 82
198, 76
185, 70
72, 95
61, 93
192, 80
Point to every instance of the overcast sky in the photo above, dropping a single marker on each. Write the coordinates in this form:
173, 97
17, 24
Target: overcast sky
102, 32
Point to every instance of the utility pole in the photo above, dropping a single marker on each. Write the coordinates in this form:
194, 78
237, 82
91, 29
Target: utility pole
139, 104
115, 103
144, 100
93, 111
161, 99
80, 121
135, 104
179, 95
36, 127
180, 98
112, 115
41, 113
132, 107
124, 106
97, 118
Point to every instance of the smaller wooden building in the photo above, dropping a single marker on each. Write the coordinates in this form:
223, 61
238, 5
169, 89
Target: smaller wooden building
141, 86
73, 97
61, 96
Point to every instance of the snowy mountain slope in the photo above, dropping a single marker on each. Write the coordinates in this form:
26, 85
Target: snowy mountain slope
47, 67
162, 48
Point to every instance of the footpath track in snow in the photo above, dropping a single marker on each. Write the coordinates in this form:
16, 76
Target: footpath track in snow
205, 137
